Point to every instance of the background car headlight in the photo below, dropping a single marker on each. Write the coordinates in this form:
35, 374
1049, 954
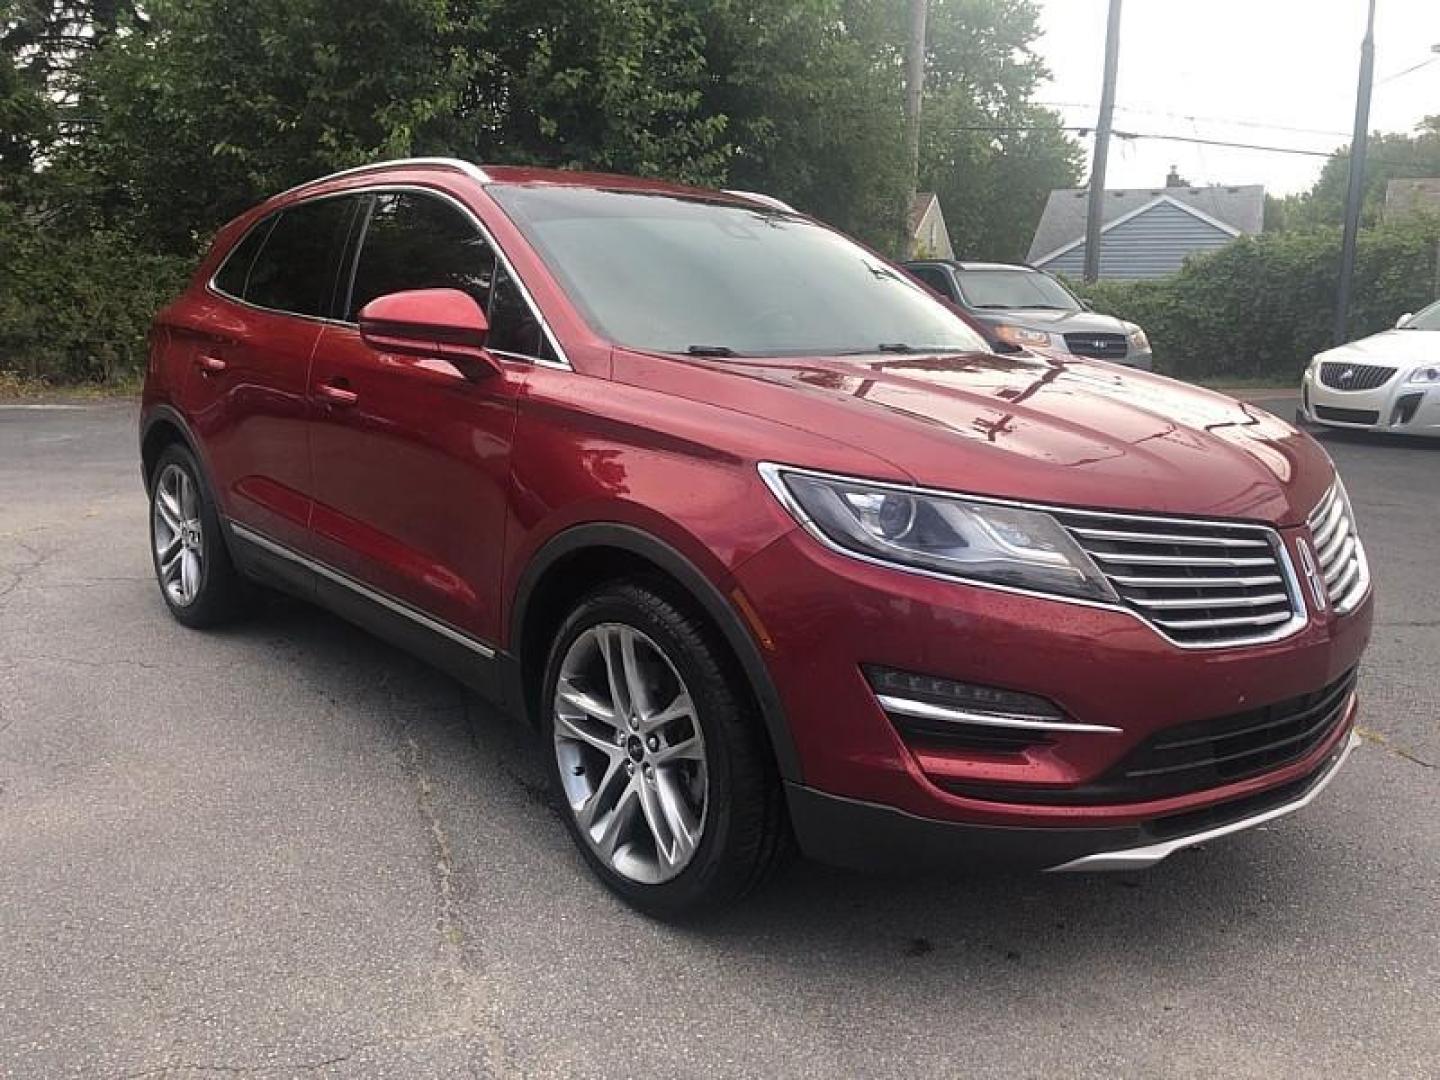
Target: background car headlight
1138, 341
1020, 336
1425, 376
941, 534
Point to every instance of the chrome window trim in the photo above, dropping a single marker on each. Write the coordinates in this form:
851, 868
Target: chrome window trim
563, 363
399, 607
771, 473
924, 710
1139, 858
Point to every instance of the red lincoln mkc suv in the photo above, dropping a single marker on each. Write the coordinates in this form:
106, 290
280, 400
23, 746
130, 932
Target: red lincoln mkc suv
759, 535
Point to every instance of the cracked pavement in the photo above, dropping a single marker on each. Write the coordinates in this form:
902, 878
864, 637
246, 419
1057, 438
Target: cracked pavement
287, 849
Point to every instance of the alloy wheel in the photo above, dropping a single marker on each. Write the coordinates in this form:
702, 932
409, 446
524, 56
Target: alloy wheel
177, 535
631, 753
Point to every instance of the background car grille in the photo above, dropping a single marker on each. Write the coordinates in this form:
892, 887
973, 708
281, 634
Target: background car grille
1347, 416
1363, 376
1100, 346
1338, 547
1199, 584
1202, 754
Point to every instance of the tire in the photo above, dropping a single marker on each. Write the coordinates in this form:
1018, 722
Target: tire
203, 589
705, 774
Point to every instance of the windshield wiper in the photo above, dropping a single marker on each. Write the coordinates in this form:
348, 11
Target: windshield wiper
710, 350
910, 350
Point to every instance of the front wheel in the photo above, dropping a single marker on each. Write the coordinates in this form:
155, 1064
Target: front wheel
669, 787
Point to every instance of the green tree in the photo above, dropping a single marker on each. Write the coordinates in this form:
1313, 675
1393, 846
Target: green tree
613, 85
1389, 157
221, 103
982, 73
811, 92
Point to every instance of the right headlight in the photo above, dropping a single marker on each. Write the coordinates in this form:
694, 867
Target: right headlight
945, 535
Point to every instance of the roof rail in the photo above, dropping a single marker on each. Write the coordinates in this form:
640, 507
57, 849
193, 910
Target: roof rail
763, 200
469, 168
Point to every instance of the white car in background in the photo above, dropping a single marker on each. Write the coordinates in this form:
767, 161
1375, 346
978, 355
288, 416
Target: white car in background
1387, 382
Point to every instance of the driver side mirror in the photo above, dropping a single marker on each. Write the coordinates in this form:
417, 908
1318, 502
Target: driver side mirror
1404, 320
438, 324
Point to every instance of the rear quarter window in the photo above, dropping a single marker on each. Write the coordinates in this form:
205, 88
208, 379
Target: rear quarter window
235, 271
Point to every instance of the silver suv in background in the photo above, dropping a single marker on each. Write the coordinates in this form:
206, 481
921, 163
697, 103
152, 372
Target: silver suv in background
1017, 307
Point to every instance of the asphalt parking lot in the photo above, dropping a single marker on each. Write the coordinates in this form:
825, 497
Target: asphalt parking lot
289, 849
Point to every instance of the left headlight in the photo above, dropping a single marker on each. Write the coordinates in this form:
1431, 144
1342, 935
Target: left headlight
940, 534
1022, 337
1425, 376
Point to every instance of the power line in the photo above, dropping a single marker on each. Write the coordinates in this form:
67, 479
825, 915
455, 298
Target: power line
1084, 131
1229, 121
1407, 71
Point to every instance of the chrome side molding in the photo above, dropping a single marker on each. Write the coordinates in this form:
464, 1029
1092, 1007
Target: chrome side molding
399, 607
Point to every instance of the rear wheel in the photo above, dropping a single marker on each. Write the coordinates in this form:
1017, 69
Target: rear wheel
200, 585
668, 785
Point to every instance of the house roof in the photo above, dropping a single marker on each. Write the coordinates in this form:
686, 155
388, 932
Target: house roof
1240, 210
919, 207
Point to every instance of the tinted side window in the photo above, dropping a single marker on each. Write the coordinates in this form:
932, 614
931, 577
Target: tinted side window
513, 325
936, 279
295, 270
420, 242
233, 274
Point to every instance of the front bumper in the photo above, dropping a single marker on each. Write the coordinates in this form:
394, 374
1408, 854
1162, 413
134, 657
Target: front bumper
858, 835
825, 616
1397, 407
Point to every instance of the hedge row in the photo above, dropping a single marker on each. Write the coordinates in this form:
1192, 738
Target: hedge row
1263, 306
76, 309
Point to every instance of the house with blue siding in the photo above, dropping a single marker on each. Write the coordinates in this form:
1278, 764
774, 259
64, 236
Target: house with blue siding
1148, 232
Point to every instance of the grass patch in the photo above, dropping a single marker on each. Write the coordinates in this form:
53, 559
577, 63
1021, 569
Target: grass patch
14, 386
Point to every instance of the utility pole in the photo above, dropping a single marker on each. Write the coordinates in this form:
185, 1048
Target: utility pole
1096, 218
914, 94
1356, 196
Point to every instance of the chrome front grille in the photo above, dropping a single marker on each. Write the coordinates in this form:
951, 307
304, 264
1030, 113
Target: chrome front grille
1201, 584
1337, 547
1100, 346
1341, 376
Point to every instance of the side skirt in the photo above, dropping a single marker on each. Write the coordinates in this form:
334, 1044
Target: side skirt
491, 673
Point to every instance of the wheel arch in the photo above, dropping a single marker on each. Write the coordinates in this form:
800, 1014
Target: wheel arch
161, 427
557, 576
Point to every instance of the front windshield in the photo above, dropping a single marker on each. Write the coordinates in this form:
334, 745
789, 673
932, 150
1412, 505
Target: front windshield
1426, 319
677, 275
1014, 290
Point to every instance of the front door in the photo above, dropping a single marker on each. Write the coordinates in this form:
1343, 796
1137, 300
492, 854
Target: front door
411, 460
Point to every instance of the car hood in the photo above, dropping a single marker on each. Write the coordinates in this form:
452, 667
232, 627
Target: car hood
1395, 347
1041, 429
1055, 322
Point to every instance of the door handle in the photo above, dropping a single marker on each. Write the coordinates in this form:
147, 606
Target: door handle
337, 393
209, 364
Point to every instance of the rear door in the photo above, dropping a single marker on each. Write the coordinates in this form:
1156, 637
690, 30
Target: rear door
251, 344
411, 460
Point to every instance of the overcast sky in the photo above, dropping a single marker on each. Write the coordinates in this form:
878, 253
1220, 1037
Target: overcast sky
1244, 63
